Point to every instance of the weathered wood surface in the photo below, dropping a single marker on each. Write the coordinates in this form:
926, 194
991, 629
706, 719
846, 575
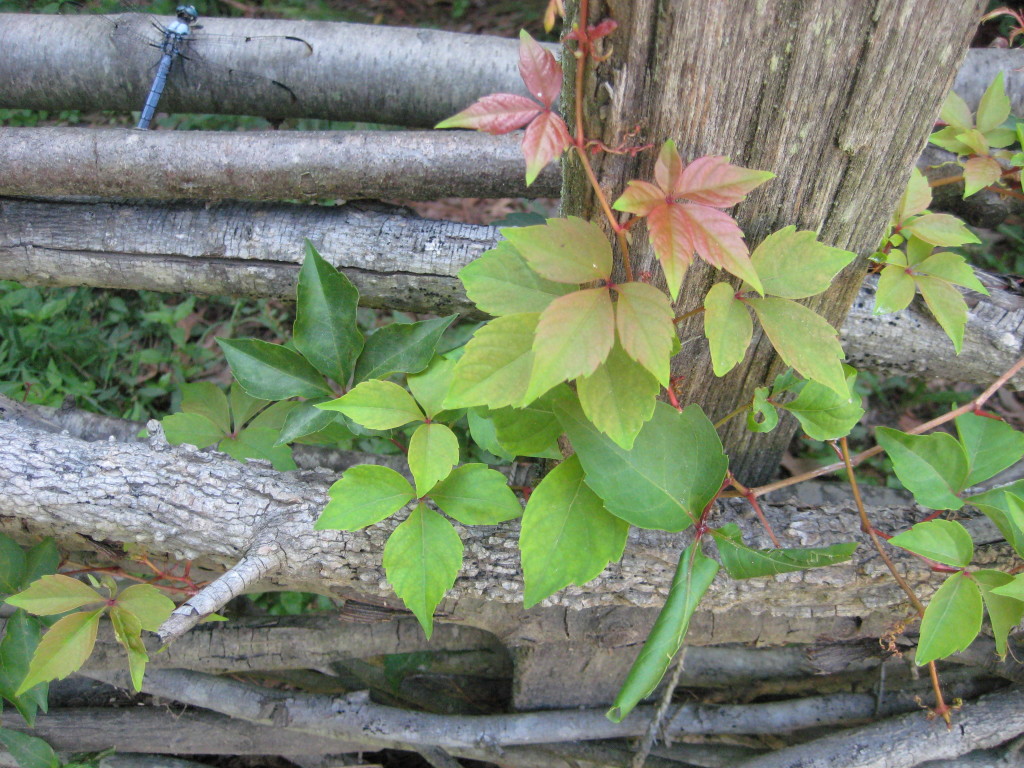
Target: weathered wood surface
836, 98
189, 505
356, 72
400, 261
266, 165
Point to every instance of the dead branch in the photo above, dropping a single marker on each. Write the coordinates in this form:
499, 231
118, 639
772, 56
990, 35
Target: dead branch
905, 741
355, 717
301, 165
403, 262
356, 72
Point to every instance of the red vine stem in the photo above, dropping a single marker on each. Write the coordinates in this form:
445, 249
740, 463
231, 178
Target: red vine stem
941, 708
970, 406
579, 140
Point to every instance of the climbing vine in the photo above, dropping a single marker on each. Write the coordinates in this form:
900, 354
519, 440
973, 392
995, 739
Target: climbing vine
574, 369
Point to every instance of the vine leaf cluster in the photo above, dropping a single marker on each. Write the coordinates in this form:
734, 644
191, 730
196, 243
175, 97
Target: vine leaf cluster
572, 367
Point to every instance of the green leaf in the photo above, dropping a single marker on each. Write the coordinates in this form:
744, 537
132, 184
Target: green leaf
975, 141
794, 265
272, 372
21, 637
956, 113
401, 348
421, 560
932, 467
618, 397
694, 575
205, 398
501, 283
192, 428
951, 621
994, 107
804, 340
574, 335
365, 494
28, 751
147, 604
941, 229
947, 139
484, 434
675, 469
567, 250
761, 409
63, 649
495, 369
430, 387
944, 541
41, 560
273, 416
951, 267
991, 446
532, 430
433, 451
1004, 613
325, 330
54, 594
128, 632
567, 536
476, 495
259, 443
980, 172
12, 565
643, 317
305, 419
243, 405
916, 198
947, 305
743, 562
825, 415
896, 289
727, 326
377, 404
1014, 588
1005, 507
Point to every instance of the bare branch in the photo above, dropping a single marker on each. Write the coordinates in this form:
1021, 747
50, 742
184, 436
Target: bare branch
355, 717
357, 72
908, 740
306, 165
405, 263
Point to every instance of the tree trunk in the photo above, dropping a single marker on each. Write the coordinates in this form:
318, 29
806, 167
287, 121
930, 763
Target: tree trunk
835, 98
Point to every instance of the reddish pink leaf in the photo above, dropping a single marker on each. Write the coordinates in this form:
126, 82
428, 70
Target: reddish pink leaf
546, 138
640, 198
668, 168
539, 70
713, 181
718, 240
672, 243
496, 113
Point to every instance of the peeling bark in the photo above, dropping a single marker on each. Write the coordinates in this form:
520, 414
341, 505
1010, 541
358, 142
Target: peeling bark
403, 262
186, 504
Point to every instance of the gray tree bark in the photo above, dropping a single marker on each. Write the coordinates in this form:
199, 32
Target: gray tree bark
355, 73
303, 165
403, 262
835, 98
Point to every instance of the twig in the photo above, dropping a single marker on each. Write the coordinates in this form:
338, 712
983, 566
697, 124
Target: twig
941, 708
968, 407
644, 748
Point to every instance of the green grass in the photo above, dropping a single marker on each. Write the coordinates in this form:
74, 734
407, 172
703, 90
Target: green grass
119, 353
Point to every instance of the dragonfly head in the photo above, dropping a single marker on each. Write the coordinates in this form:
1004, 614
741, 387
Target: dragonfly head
187, 13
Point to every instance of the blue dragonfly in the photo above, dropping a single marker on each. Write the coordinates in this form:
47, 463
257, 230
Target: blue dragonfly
191, 54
